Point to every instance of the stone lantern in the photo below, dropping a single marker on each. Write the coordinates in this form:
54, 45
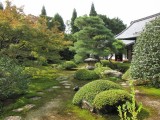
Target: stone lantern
91, 63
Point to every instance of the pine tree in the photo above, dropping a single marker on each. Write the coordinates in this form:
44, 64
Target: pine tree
74, 29
93, 11
43, 11
58, 20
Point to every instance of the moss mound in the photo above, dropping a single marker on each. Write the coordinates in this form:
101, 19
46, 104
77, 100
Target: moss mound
84, 74
90, 90
108, 101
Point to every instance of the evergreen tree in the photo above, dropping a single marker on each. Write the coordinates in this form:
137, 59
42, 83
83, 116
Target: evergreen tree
43, 11
93, 38
145, 64
58, 21
116, 25
92, 11
1, 6
74, 29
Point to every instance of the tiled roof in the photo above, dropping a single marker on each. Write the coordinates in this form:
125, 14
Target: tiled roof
135, 28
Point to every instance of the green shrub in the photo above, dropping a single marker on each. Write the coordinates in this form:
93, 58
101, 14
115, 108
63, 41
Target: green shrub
145, 64
127, 75
68, 65
122, 67
13, 79
100, 69
108, 101
90, 90
84, 74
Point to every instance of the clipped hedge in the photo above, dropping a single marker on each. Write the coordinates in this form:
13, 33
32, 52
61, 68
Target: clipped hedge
90, 90
122, 67
84, 74
108, 101
68, 65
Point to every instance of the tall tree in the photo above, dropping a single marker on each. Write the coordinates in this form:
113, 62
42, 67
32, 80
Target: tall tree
1, 6
43, 11
58, 21
93, 38
74, 29
145, 64
116, 25
92, 11
26, 37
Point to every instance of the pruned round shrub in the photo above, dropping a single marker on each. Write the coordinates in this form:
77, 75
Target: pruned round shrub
84, 74
90, 90
68, 65
108, 101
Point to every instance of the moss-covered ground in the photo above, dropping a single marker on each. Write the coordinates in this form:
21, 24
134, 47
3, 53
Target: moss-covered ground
56, 104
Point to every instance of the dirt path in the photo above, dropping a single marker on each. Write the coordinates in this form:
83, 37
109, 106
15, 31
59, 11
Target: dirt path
152, 103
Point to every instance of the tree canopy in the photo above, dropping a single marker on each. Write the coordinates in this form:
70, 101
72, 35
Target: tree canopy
93, 11
43, 11
145, 64
93, 38
26, 37
74, 29
58, 21
116, 25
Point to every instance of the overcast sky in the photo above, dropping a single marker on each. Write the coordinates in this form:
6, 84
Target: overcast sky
126, 10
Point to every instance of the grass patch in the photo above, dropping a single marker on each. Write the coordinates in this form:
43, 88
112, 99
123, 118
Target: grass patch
83, 114
42, 79
150, 91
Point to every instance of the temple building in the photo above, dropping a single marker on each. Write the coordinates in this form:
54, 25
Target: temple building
130, 34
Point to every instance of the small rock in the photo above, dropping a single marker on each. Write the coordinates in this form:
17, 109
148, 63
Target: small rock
76, 88
13, 118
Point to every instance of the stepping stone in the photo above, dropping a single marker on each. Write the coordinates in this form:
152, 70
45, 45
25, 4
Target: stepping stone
62, 78
40, 93
124, 84
50, 89
137, 91
35, 98
26, 107
64, 82
13, 118
67, 87
56, 87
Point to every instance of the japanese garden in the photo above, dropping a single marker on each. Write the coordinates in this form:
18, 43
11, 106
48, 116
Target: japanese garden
92, 68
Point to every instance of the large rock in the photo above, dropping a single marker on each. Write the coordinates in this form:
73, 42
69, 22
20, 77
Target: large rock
112, 73
87, 105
